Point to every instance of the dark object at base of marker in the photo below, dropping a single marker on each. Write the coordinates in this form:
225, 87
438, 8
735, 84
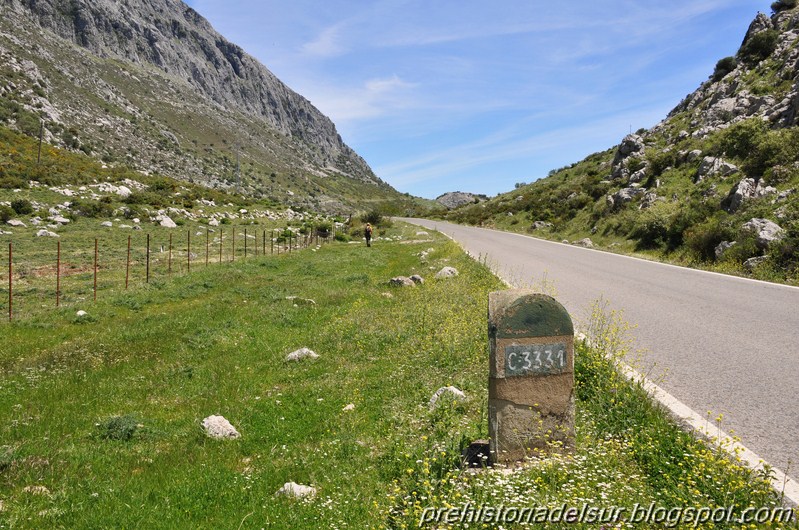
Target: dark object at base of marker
477, 454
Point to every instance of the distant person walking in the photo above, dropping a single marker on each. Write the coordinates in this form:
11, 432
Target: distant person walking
367, 232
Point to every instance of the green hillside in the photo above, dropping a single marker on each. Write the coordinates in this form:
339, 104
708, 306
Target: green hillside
687, 190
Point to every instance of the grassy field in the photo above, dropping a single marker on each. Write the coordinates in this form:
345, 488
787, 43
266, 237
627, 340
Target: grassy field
100, 415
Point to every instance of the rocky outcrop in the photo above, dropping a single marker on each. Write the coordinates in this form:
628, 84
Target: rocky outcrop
456, 199
721, 102
712, 166
766, 232
629, 164
744, 190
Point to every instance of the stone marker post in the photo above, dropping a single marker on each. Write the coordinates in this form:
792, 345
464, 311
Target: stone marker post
531, 375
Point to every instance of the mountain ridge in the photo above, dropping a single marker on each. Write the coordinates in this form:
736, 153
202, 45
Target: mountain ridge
152, 83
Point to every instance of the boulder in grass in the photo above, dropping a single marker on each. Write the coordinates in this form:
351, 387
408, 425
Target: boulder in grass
446, 272
46, 233
766, 232
401, 281
302, 353
16, 223
296, 491
167, 222
452, 392
417, 279
219, 428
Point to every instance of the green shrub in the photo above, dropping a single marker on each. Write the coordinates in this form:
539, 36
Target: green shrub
22, 206
724, 67
703, 239
373, 217
90, 208
9, 182
759, 46
6, 213
343, 237
783, 5
118, 428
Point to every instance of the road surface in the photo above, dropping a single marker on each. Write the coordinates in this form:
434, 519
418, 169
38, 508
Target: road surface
726, 345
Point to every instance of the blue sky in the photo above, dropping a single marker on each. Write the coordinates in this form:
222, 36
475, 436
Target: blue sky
477, 96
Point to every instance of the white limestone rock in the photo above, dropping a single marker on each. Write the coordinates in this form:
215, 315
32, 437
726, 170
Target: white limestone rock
219, 428
301, 354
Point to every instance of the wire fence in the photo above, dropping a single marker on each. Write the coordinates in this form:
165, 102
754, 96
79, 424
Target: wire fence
41, 274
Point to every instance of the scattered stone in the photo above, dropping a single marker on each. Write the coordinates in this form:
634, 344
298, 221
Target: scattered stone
16, 223
452, 392
302, 353
650, 198
723, 247
623, 196
712, 166
349, 407
752, 263
766, 232
417, 279
422, 233
81, 313
585, 243
136, 220
541, 225
108, 224
387, 295
60, 220
219, 428
36, 221
401, 281
213, 222
297, 299
46, 233
167, 222
297, 491
446, 272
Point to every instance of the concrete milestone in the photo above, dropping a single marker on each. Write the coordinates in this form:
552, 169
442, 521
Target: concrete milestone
531, 376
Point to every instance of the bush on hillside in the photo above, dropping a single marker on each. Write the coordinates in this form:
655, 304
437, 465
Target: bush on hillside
724, 67
22, 206
759, 46
6, 214
702, 239
783, 5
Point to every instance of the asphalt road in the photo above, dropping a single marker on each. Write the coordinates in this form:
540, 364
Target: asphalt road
722, 344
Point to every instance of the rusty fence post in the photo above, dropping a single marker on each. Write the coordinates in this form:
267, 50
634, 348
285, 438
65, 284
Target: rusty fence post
127, 267
147, 280
96, 252
10, 281
58, 275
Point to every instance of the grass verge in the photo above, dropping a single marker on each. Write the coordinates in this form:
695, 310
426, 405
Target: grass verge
100, 416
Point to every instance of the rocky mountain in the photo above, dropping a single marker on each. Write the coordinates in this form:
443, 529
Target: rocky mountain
151, 84
454, 199
714, 184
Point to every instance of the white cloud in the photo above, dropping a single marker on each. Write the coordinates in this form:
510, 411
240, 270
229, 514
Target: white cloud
327, 43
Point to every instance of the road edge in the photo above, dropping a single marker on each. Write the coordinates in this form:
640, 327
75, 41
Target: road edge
782, 484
